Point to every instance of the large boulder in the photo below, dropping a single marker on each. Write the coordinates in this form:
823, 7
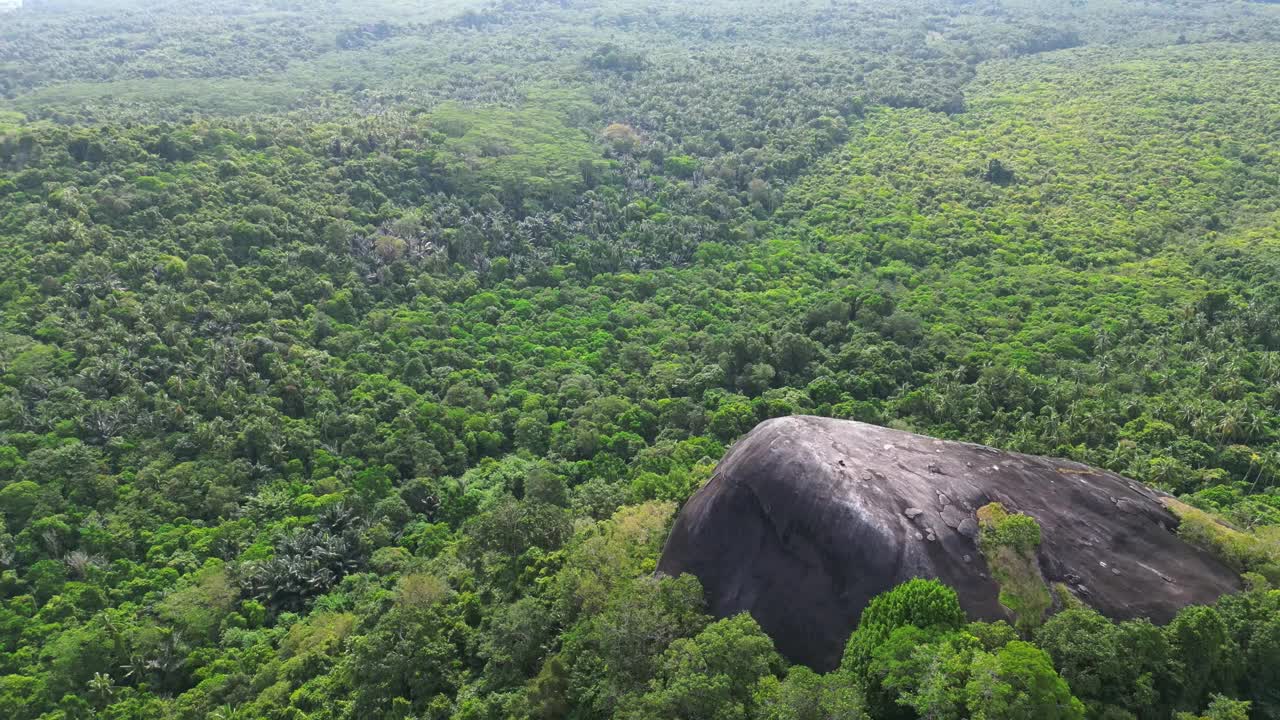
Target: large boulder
806, 519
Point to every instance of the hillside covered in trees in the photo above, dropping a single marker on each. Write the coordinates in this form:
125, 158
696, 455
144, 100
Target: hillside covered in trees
355, 357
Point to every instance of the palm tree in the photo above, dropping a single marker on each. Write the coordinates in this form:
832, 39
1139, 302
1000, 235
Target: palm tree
102, 687
1228, 426
228, 712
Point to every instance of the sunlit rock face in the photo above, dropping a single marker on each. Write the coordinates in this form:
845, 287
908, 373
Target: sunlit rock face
806, 519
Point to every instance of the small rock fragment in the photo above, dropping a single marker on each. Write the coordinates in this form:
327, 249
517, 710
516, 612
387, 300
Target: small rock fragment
968, 528
1128, 506
952, 516
913, 512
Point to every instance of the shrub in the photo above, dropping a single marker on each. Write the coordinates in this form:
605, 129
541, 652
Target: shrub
1009, 543
1244, 551
922, 603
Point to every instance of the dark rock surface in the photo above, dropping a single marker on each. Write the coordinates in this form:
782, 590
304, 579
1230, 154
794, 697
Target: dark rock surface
806, 519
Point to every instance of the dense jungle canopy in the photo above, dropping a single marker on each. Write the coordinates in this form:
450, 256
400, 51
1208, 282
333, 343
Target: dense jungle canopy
356, 356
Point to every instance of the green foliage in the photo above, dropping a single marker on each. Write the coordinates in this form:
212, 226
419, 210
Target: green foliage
1221, 708
1255, 551
19, 500
925, 604
1208, 656
1253, 621
922, 671
1017, 532
805, 695
1018, 682
306, 562
610, 656
1010, 542
515, 156
199, 608
711, 675
1113, 668
944, 674
355, 357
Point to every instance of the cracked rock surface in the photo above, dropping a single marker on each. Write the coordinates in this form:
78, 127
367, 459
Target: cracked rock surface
806, 519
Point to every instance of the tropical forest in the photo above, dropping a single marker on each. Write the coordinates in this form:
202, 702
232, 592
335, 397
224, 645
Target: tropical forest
358, 357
